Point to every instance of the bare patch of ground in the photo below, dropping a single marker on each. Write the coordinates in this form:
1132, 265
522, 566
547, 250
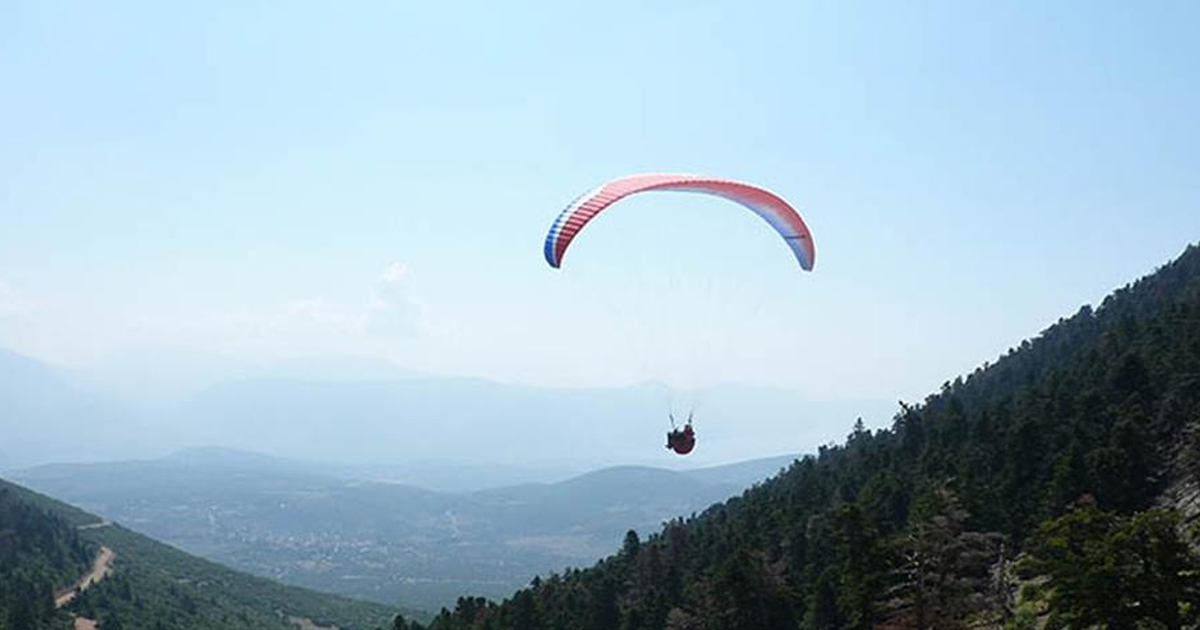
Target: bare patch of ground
304, 623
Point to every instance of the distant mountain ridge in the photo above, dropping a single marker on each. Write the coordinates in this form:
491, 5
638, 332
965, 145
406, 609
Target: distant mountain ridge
404, 543
44, 417
485, 421
219, 458
398, 420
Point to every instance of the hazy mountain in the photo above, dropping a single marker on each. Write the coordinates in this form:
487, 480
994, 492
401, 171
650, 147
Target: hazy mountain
456, 476
743, 473
389, 542
151, 376
450, 433
490, 423
43, 417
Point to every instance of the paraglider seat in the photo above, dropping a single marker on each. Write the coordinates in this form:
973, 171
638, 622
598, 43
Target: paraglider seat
682, 441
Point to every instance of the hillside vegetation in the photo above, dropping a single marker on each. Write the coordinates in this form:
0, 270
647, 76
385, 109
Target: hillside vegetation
1028, 493
46, 545
40, 554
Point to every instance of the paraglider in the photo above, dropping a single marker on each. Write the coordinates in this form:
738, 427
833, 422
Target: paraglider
682, 441
772, 208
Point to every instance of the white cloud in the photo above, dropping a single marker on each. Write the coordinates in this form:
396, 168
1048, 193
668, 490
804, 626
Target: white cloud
394, 310
397, 273
388, 313
390, 310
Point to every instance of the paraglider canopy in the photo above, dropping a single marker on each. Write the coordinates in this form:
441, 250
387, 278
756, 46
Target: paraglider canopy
771, 207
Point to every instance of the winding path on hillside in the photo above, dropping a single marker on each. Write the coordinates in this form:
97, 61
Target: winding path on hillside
101, 568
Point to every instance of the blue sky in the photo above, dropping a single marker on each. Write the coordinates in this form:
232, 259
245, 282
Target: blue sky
273, 180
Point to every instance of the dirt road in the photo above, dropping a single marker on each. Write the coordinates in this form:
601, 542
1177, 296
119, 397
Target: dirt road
101, 567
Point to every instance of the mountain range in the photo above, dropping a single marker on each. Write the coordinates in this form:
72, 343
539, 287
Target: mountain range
394, 543
1057, 487
341, 411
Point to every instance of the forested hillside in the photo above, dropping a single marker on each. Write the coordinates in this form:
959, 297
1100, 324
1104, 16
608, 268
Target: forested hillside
1029, 492
39, 554
46, 546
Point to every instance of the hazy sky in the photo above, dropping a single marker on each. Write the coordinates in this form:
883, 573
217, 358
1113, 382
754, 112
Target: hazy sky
272, 180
